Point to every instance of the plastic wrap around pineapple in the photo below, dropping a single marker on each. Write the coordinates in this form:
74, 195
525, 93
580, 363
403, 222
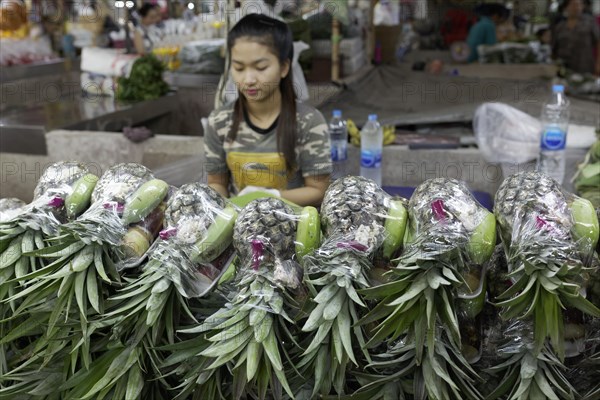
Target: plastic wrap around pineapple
186, 261
549, 237
249, 332
444, 215
9, 207
57, 197
24, 230
530, 203
126, 212
192, 247
525, 371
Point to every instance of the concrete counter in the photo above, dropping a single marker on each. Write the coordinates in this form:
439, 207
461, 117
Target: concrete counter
180, 159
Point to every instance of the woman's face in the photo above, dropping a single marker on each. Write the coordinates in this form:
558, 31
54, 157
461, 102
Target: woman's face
256, 70
574, 8
153, 17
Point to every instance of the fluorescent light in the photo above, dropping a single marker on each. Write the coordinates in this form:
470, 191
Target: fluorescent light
129, 4
191, 6
119, 4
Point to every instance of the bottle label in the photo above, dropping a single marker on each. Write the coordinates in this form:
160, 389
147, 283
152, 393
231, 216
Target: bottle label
370, 159
338, 151
553, 138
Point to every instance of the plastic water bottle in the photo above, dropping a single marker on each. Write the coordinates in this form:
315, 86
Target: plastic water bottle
555, 122
338, 133
371, 147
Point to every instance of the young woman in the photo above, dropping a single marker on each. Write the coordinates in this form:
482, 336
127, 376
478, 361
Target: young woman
266, 140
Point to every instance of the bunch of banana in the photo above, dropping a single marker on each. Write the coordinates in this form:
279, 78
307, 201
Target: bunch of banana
353, 133
389, 133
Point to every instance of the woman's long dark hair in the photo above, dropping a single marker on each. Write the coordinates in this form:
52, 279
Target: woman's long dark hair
278, 37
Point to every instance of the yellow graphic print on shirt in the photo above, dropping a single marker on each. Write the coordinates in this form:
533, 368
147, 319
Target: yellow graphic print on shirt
258, 169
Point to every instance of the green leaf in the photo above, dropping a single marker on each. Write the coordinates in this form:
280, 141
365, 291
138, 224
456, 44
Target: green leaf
99, 264
319, 337
254, 354
135, 383
545, 386
79, 292
415, 290
582, 304
343, 324
92, 290
270, 347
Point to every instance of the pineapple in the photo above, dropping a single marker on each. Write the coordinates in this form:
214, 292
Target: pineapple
23, 232
76, 282
353, 217
250, 335
537, 226
448, 237
148, 309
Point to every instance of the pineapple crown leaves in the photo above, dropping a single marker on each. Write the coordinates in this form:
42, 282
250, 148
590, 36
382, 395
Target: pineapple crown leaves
529, 375
335, 271
249, 335
443, 374
99, 224
421, 289
547, 276
344, 257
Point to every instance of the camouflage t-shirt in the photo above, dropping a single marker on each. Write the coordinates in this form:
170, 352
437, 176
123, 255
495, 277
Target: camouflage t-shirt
253, 159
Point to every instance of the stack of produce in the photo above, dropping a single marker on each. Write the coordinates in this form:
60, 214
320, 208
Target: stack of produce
124, 288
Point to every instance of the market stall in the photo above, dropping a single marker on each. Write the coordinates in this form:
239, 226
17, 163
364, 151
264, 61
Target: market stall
463, 274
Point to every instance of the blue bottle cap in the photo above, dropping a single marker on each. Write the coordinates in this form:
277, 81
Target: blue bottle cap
558, 88
337, 113
373, 117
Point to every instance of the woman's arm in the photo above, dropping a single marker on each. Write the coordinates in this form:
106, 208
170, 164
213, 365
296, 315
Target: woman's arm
311, 194
138, 42
219, 182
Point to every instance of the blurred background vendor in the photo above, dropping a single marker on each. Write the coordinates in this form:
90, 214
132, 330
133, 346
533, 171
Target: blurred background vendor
484, 31
576, 38
149, 16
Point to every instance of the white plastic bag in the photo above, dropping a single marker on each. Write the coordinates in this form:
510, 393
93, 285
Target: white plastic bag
505, 134
299, 81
